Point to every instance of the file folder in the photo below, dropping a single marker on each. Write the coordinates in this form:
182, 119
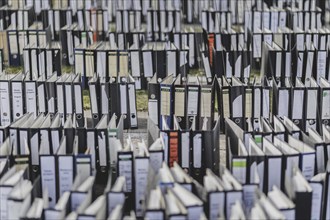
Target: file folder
47, 94
78, 101
312, 95
297, 106
94, 96
6, 113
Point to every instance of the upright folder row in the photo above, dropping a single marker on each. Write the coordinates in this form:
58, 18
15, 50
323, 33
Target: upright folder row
42, 61
162, 59
52, 152
85, 26
41, 143
140, 183
108, 61
302, 64
141, 7
195, 148
289, 39
18, 39
126, 40
267, 155
273, 18
21, 94
229, 63
115, 96
190, 38
282, 54
228, 55
95, 19
33, 137
214, 20
24, 23
306, 104
186, 100
55, 19
300, 5
128, 20
309, 19
160, 22
193, 10
19, 18
39, 5
284, 38
312, 146
63, 94
71, 37
305, 39
102, 58
294, 11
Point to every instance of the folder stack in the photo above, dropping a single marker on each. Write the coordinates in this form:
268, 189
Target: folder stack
216, 20
126, 40
115, 96
193, 148
308, 58
160, 22
18, 39
245, 84
129, 24
190, 40
181, 97
43, 60
65, 166
56, 18
128, 20
103, 59
271, 18
161, 60
230, 56
251, 164
19, 17
22, 94
95, 19
241, 100
72, 37
285, 138
48, 135
307, 17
